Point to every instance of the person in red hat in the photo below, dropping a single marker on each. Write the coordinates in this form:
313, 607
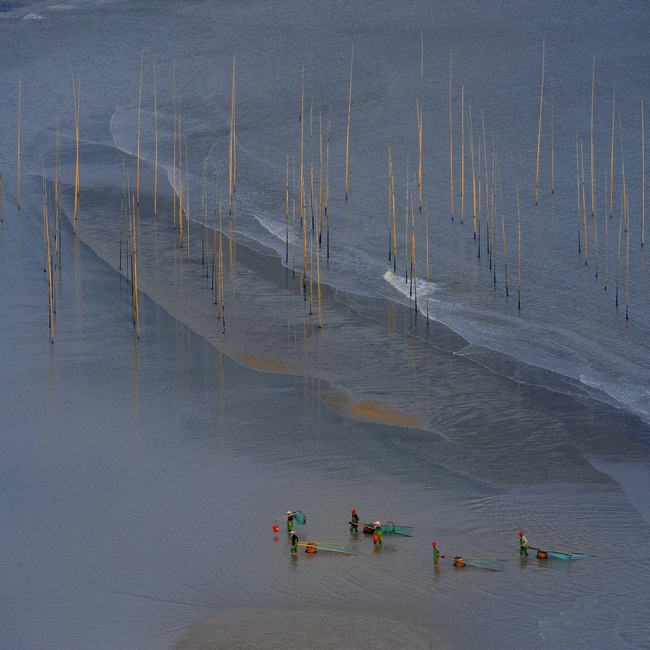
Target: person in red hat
436, 554
354, 522
523, 545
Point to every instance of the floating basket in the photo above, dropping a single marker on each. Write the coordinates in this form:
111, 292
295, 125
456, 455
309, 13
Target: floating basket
311, 548
459, 561
542, 555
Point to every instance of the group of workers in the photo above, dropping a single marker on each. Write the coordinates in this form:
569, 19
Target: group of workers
375, 529
378, 537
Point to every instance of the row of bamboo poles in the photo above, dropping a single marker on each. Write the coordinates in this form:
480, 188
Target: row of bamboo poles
311, 197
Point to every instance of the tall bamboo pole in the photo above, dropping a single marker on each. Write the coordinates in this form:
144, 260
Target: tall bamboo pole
539, 128
1, 212
578, 188
419, 116
584, 203
503, 236
137, 170
76, 96
451, 143
462, 153
470, 131
518, 252
642, 178
286, 251
606, 237
20, 82
552, 139
591, 139
347, 137
327, 183
155, 125
611, 162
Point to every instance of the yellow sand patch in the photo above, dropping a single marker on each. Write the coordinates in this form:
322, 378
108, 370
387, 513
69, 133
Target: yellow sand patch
377, 412
262, 363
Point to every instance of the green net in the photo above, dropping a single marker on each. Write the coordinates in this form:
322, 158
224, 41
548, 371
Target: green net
389, 528
299, 518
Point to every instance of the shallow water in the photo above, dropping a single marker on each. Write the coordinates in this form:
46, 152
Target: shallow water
140, 478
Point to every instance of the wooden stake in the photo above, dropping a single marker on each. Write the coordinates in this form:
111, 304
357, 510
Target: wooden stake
552, 140
591, 146
462, 153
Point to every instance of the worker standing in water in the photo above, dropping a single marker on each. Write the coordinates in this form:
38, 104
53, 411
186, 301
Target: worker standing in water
354, 521
294, 541
436, 554
523, 545
378, 536
289, 522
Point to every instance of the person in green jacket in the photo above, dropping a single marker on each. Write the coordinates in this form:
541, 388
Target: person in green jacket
378, 536
289, 522
294, 541
436, 554
523, 545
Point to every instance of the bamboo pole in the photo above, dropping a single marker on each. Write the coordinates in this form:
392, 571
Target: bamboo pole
591, 139
642, 178
76, 96
451, 143
327, 181
611, 162
578, 188
426, 239
20, 82
470, 131
494, 213
390, 204
174, 138
303, 224
518, 252
419, 116
1, 212
584, 204
155, 124
180, 176
539, 128
286, 248
347, 137
503, 236
137, 170
552, 139
187, 199
462, 153
606, 238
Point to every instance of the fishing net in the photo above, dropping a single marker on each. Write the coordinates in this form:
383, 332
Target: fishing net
299, 518
389, 528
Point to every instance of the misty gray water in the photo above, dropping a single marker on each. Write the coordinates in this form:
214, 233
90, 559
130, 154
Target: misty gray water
140, 478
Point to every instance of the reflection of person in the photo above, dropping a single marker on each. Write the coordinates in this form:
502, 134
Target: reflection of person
354, 528
436, 554
378, 536
294, 541
523, 545
289, 521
